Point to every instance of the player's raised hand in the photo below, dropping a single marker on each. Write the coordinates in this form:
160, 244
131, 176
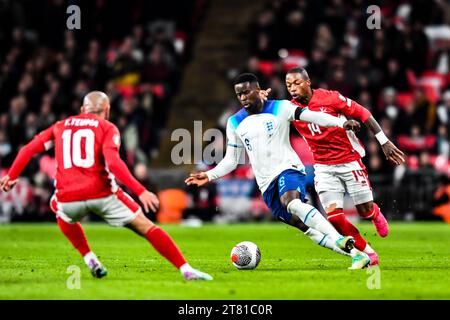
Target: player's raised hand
352, 125
263, 94
149, 200
392, 153
199, 178
6, 184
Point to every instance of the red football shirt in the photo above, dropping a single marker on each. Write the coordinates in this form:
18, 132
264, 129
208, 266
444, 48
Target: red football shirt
332, 145
84, 144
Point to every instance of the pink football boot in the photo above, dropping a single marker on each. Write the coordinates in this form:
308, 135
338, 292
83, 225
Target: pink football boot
373, 258
381, 224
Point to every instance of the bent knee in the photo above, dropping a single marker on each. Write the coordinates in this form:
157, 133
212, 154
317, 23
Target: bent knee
331, 207
141, 224
285, 203
331, 200
290, 195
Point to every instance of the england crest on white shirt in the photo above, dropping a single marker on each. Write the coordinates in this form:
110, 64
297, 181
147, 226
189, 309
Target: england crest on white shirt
269, 126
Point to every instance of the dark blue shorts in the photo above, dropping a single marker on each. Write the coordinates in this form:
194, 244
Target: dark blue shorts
287, 180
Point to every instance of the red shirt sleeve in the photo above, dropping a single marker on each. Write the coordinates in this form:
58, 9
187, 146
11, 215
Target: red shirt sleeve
41, 142
47, 138
349, 107
111, 146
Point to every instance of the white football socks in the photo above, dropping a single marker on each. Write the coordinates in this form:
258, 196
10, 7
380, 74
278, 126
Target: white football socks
90, 256
354, 252
368, 249
313, 218
185, 268
324, 241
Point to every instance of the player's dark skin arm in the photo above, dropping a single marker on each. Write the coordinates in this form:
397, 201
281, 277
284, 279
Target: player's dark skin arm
348, 125
392, 153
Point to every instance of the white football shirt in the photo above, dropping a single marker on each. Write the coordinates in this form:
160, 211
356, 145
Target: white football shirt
265, 136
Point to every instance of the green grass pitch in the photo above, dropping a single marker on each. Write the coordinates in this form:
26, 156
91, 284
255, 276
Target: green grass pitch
415, 264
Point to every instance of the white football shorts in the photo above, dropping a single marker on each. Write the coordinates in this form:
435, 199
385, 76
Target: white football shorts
117, 210
332, 181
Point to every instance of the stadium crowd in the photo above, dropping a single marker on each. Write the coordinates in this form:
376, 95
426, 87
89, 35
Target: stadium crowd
400, 72
46, 69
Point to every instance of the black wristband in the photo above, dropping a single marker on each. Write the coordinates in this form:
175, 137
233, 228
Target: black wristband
298, 112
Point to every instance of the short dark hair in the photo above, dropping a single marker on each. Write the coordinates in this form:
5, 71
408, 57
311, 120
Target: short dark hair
245, 77
302, 72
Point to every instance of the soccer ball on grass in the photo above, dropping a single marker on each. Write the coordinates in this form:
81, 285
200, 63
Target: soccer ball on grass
245, 255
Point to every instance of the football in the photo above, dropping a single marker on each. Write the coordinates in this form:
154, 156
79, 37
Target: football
245, 255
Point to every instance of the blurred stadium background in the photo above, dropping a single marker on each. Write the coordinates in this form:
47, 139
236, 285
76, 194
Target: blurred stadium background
166, 65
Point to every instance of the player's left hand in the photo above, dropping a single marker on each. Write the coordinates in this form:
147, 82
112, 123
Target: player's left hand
149, 201
392, 153
6, 184
352, 125
263, 94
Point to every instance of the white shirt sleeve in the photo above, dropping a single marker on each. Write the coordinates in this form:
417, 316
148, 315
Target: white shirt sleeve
322, 119
232, 155
288, 110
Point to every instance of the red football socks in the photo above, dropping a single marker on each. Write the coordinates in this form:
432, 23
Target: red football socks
343, 226
164, 244
74, 232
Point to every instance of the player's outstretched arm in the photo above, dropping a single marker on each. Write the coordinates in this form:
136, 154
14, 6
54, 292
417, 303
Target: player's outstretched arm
110, 149
228, 163
319, 118
353, 109
120, 170
392, 153
24, 156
